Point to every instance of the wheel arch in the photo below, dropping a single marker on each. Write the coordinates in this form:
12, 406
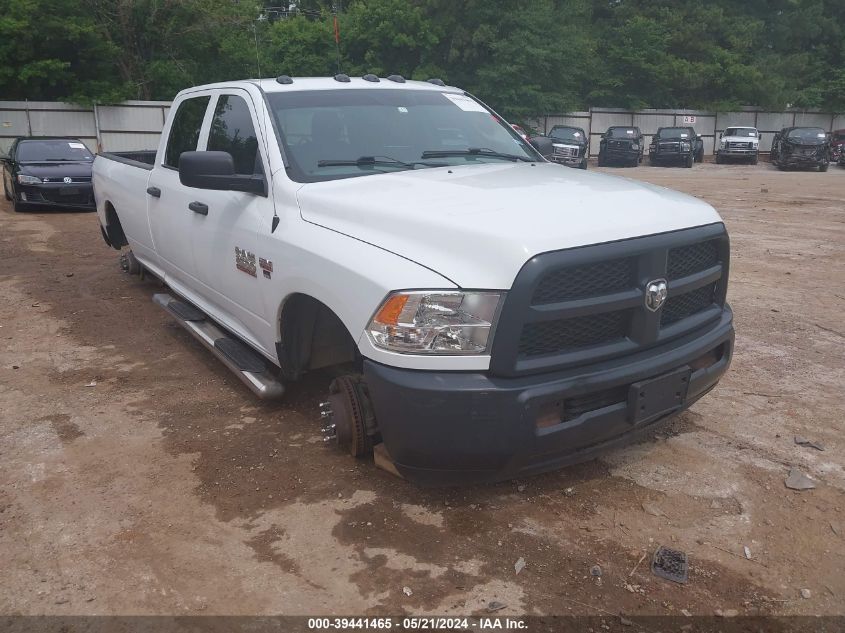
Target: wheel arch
113, 231
311, 335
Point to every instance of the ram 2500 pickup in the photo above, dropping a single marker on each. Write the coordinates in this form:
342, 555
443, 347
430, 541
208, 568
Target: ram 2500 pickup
487, 313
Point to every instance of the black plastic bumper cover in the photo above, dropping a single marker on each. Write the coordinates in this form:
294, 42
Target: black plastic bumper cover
449, 428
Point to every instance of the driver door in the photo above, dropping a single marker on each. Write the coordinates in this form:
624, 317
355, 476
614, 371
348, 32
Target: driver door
225, 239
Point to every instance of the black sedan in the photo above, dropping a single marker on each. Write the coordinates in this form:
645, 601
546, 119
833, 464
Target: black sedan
48, 172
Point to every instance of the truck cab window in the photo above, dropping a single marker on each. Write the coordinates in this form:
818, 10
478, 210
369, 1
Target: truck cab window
232, 131
185, 130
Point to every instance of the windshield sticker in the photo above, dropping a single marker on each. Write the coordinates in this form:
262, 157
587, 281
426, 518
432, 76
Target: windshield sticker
821, 135
403, 109
77, 145
629, 132
465, 103
576, 134
683, 135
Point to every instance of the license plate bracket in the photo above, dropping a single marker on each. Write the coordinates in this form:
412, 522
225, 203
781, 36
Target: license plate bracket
69, 191
651, 398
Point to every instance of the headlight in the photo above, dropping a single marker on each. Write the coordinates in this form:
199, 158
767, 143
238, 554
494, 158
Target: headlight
435, 322
685, 147
635, 146
722, 144
23, 179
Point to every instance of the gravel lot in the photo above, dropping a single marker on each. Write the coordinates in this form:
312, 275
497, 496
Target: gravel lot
137, 476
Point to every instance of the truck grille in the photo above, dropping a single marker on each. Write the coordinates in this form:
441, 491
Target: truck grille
619, 144
739, 145
669, 147
588, 304
566, 152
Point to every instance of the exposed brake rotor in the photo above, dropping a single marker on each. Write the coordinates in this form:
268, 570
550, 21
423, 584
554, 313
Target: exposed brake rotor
346, 416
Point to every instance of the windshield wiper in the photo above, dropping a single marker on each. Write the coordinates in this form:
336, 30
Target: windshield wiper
380, 161
474, 151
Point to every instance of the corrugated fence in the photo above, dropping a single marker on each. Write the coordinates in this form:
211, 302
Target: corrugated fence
137, 124
126, 126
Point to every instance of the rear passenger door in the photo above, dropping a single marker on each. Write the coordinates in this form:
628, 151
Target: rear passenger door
171, 220
225, 242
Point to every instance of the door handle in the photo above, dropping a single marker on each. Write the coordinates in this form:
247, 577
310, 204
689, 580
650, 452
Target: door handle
198, 207
155, 192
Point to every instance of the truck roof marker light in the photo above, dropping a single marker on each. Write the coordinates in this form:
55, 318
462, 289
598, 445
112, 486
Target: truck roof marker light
284, 79
391, 309
371, 77
344, 79
436, 81
397, 78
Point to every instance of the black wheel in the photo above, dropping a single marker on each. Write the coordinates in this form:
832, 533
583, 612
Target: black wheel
634, 162
754, 160
601, 162
689, 162
719, 160
651, 161
583, 164
18, 206
823, 166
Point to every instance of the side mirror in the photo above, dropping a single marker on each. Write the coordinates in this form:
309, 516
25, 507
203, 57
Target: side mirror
544, 145
216, 170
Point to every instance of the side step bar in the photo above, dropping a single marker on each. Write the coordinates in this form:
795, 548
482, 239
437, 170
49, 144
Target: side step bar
256, 372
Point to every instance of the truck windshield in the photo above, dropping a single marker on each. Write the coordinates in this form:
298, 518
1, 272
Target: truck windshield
674, 132
332, 134
621, 132
741, 131
567, 134
48, 150
807, 135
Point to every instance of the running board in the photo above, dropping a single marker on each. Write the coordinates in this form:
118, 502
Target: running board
255, 372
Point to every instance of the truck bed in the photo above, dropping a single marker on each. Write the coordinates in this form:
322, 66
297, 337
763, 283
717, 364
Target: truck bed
145, 159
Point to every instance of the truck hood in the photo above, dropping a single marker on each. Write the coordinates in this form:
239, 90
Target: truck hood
477, 225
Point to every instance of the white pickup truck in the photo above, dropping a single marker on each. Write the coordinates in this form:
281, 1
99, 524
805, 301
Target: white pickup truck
738, 143
488, 314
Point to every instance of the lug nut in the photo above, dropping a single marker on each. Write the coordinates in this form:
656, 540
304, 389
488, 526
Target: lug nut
325, 414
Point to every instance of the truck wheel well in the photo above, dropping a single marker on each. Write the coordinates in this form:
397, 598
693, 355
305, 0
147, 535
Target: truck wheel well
312, 336
114, 231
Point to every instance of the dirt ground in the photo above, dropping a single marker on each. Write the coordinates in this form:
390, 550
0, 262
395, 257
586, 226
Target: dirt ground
137, 476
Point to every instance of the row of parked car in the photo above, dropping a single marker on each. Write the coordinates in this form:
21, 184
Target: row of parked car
622, 145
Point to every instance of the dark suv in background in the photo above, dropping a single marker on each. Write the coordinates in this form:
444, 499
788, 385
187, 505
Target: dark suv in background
801, 147
621, 144
675, 145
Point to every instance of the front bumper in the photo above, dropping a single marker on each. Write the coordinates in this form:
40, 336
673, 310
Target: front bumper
799, 160
621, 153
446, 428
567, 160
669, 157
737, 153
76, 195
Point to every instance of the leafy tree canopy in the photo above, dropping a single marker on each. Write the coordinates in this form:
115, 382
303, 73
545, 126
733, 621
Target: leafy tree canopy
524, 57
